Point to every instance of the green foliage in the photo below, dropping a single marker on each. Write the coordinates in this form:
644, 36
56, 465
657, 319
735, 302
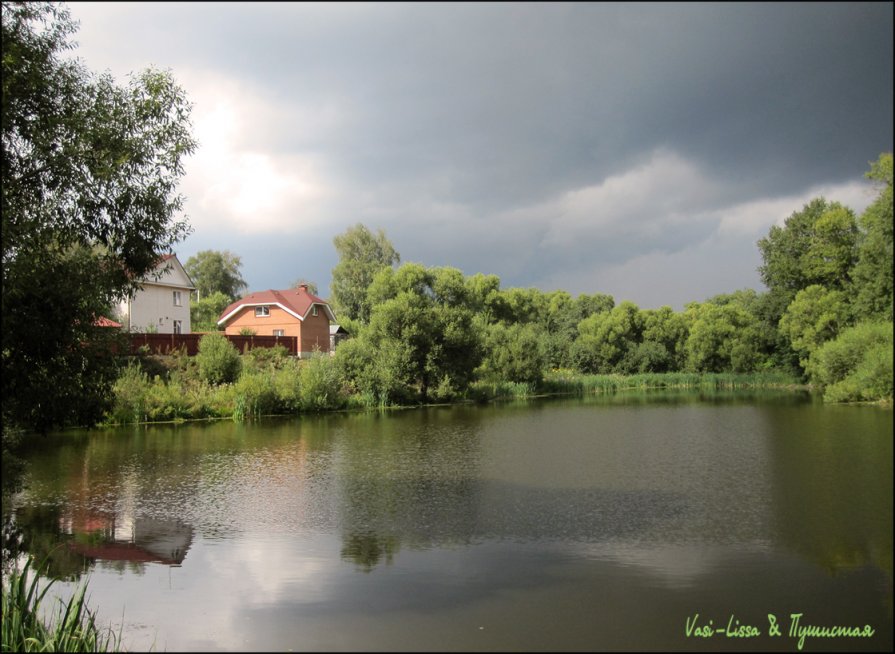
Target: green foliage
218, 360
261, 359
855, 366
89, 176
321, 384
216, 272
512, 354
247, 331
361, 255
205, 311
873, 271
723, 338
255, 395
664, 338
131, 392
376, 377
422, 329
817, 245
605, 340
814, 317
569, 381
70, 628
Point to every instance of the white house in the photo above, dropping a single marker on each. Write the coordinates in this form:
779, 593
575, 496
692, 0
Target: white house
162, 304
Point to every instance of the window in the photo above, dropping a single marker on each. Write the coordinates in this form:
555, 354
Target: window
314, 310
177, 299
279, 332
177, 327
262, 312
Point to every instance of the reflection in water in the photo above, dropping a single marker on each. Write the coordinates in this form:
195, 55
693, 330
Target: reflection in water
833, 496
367, 549
594, 518
71, 542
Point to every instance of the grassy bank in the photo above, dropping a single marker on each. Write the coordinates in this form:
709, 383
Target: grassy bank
570, 382
154, 390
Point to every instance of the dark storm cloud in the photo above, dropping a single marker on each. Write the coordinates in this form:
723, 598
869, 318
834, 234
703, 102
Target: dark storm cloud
519, 138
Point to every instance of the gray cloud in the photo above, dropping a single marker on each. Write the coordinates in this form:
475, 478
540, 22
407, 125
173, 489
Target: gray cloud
527, 140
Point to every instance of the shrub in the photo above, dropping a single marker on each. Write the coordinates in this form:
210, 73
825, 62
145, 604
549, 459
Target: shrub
513, 354
320, 384
131, 392
855, 366
218, 360
266, 358
287, 384
255, 395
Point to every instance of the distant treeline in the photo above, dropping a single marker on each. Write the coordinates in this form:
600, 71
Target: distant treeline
422, 334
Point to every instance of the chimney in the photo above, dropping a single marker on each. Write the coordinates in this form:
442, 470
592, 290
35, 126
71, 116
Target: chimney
304, 287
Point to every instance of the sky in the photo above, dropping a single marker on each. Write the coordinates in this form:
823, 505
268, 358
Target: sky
638, 149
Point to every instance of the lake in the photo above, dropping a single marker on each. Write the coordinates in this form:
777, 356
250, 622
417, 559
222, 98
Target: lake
635, 521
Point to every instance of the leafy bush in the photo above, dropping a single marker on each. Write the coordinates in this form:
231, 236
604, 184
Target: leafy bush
130, 393
218, 360
513, 354
287, 385
320, 384
265, 358
855, 366
255, 395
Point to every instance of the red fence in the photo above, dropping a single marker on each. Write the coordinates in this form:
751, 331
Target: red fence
167, 343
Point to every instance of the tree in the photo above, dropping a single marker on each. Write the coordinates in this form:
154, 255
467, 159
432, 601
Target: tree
723, 338
205, 311
664, 337
873, 271
855, 366
216, 272
817, 245
301, 281
512, 353
607, 340
421, 337
815, 316
89, 176
362, 254
218, 360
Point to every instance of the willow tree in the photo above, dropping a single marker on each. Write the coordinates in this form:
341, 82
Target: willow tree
362, 254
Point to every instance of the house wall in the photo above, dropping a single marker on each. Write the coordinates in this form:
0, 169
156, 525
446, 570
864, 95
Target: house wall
312, 333
264, 325
154, 305
315, 332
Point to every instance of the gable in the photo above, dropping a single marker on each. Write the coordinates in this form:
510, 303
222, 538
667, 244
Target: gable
170, 272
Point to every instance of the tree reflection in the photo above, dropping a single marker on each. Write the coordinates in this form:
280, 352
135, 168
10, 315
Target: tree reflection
367, 549
36, 530
833, 487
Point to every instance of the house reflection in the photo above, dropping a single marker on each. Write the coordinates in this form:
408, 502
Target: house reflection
124, 538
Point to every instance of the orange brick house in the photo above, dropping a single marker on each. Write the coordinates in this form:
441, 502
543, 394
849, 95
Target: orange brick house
293, 312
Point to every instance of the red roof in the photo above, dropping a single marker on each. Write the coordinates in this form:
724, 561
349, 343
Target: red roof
297, 301
102, 321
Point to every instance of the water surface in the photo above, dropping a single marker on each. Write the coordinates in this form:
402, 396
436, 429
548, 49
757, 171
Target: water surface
583, 524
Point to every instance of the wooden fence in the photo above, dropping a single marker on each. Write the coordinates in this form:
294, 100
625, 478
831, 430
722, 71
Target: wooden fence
167, 343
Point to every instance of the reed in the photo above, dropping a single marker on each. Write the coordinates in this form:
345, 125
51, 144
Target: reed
570, 382
71, 628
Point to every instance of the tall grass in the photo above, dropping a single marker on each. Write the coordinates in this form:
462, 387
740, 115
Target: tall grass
71, 628
570, 382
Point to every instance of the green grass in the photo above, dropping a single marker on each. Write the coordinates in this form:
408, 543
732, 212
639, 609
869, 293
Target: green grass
71, 628
571, 382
